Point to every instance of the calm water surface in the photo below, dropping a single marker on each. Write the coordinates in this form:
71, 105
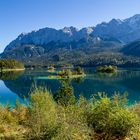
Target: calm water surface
15, 85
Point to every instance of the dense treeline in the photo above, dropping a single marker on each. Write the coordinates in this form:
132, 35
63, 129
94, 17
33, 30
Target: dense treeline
10, 64
106, 69
81, 59
63, 117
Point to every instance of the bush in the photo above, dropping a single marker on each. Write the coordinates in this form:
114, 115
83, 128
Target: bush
106, 69
135, 108
78, 70
48, 120
101, 118
65, 95
73, 124
42, 120
110, 117
10, 127
65, 73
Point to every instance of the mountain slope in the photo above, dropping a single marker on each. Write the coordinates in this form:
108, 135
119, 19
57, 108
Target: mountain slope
132, 49
75, 46
127, 30
57, 52
46, 35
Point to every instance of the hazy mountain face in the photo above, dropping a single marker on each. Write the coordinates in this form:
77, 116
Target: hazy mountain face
132, 49
76, 46
127, 30
46, 35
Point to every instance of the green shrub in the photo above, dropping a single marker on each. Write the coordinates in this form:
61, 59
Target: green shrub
65, 95
135, 108
78, 70
110, 117
48, 120
73, 121
73, 124
106, 69
10, 127
6, 116
42, 120
101, 118
65, 73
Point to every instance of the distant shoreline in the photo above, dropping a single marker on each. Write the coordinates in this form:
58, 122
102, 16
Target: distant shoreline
5, 70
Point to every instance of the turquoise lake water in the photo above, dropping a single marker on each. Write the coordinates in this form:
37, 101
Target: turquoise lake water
19, 85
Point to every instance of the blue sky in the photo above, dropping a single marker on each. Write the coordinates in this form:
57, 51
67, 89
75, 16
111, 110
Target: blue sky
17, 16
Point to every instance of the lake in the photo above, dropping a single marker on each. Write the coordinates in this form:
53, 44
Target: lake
18, 85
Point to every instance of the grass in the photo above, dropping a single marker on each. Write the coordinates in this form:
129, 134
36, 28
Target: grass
63, 117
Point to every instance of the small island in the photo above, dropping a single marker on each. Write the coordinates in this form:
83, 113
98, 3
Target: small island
51, 69
10, 65
106, 69
68, 73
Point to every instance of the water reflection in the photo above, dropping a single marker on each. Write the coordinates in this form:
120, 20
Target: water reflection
128, 80
10, 75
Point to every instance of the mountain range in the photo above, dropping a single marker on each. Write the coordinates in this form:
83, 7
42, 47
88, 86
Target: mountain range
116, 42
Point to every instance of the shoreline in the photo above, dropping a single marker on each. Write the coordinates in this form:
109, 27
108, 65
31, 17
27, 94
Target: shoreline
6, 70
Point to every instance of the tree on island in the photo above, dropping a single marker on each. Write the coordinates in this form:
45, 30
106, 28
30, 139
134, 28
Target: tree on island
106, 69
78, 70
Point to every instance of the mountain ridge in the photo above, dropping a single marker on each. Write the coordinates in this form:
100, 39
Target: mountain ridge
50, 45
